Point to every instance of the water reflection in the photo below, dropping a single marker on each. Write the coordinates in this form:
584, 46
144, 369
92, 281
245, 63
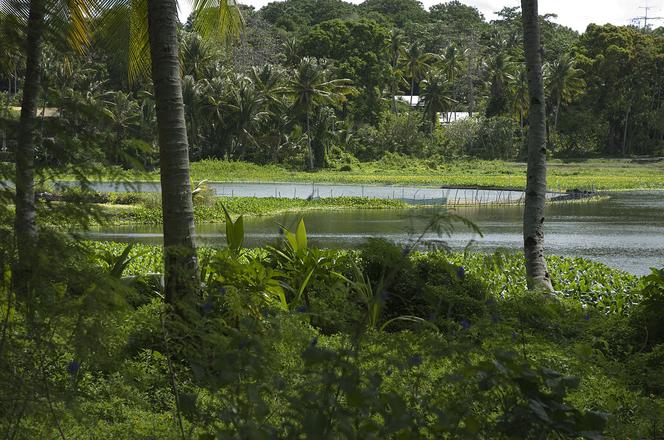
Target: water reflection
626, 231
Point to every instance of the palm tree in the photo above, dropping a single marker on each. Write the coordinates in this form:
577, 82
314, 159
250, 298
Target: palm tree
324, 130
290, 50
310, 89
11, 38
533, 214
453, 65
153, 45
269, 84
192, 97
416, 63
121, 112
198, 56
564, 82
502, 71
520, 96
180, 261
452, 61
436, 95
395, 50
62, 16
247, 113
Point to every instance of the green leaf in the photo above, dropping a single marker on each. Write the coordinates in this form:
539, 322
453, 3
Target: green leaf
122, 262
238, 233
301, 235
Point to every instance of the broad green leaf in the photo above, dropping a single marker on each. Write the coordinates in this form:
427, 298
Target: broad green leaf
301, 236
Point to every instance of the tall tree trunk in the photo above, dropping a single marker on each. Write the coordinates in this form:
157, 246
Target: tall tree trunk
25, 224
471, 93
180, 261
311, 150
533, 215
624, 137
555, 117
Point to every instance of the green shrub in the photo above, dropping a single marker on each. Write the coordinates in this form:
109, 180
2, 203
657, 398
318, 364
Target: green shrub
396, 133
485, 138
647, 317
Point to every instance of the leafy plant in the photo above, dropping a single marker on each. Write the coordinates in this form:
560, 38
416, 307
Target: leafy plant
234, 231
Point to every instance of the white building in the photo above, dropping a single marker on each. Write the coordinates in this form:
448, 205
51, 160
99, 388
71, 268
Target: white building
445, 118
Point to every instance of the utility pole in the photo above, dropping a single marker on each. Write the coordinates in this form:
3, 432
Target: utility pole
646, 17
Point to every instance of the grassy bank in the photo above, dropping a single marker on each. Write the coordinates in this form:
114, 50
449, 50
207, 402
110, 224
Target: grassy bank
602, 174
146, 208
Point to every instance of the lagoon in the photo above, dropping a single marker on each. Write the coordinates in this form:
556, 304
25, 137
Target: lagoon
625, 231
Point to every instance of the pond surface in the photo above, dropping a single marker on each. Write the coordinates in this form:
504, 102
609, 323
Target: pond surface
625, 231
412, 194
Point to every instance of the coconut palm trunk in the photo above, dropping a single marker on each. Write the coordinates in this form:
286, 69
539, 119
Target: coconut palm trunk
533, 215
25, 221
181, 264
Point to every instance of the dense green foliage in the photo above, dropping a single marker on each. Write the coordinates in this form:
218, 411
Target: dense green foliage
294, 342
395, 169
242, 102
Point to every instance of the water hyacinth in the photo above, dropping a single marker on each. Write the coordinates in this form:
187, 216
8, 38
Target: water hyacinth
465, 324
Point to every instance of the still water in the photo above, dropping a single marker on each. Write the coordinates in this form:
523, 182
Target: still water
626, 231
412, 194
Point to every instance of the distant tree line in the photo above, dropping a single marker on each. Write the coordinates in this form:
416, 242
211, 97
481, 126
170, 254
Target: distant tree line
312, 84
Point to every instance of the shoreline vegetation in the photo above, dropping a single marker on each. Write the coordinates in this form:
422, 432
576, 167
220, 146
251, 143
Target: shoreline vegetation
587, 174
145, 208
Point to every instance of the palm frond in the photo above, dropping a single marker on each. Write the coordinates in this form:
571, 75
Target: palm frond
123, 28
75, 16
63, 18
140, 61
218, 19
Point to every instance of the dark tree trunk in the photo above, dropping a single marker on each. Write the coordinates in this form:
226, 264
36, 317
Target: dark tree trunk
311, 151
25, 224
624, 137
320, 159
180, 261
555, 117
533, 216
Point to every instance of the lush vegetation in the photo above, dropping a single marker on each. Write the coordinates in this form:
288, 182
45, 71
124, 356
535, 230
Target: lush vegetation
142, 208
293, 342
123, 341
312, 84
603, 174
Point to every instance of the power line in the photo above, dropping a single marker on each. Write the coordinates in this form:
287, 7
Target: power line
646, 17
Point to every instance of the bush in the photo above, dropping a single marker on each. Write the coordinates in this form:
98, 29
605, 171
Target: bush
486, 138
647, 317
572, 146
396, 133
341, 160
428, 286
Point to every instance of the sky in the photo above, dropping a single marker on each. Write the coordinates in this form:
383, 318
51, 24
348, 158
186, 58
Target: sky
576, 14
